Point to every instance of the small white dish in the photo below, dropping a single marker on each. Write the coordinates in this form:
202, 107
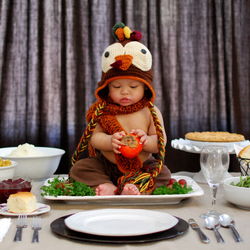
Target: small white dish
120, 222
239, 196
8, 172
42, 208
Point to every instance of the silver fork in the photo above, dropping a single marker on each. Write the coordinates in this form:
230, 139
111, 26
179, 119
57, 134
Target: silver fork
20, 224
36, 226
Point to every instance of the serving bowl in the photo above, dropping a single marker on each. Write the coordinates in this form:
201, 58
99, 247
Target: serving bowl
35, 167
240, 196
8, 172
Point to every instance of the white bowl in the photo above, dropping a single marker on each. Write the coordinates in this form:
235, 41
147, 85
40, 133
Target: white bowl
239, 196
8, 172
35, 167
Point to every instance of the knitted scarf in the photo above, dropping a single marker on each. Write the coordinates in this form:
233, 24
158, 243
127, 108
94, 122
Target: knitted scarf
104, 113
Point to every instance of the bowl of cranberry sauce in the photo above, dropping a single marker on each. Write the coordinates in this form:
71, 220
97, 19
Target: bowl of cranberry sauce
12, 186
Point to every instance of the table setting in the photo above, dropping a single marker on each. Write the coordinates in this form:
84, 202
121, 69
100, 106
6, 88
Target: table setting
104, 225
204, 217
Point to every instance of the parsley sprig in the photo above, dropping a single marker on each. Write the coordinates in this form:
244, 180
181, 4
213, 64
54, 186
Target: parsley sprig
59, 187
175, 189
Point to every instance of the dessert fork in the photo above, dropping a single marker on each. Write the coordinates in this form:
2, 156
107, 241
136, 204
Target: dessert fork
20, 224
36, 226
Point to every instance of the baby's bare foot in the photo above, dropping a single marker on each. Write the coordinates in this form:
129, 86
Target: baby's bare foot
130, 189
105, 189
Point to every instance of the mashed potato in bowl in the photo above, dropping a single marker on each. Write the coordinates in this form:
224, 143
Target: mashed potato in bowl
25, 150
34, 163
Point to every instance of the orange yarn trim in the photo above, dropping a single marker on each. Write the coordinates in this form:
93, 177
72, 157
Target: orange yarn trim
114, 109
105, 84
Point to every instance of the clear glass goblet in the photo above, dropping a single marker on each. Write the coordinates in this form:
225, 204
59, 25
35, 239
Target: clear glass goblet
214, 161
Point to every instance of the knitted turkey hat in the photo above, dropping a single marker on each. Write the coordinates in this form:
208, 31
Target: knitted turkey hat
128, 59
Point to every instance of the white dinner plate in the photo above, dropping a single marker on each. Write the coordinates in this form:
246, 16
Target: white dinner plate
134, 199
42, 208
120, 222
196, 146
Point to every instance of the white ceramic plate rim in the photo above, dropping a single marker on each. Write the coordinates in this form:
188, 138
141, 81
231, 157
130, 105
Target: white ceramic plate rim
42, 208
235, 179
136, 199
120, 222
13, 164
229, 180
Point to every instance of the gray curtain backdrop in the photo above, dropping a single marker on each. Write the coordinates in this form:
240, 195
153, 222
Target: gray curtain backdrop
50, 54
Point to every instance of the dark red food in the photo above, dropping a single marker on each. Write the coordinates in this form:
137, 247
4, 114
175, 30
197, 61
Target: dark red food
182, 182
132, 146
171, 182
10, 186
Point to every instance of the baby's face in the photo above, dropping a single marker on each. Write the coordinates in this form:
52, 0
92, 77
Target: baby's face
126, 91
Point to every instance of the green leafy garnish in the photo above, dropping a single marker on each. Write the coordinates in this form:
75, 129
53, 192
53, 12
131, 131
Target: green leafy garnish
244, 182
58, 187
175, 189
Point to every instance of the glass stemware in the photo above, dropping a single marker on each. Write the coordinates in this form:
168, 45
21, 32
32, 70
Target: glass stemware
214, 161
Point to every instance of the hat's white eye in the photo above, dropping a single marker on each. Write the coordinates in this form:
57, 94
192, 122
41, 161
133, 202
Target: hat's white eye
142, 57
108, 56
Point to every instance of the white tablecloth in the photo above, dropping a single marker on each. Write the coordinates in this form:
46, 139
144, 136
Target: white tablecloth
186, 209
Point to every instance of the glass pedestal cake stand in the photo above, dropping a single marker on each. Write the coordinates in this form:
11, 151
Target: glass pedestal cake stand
196, 147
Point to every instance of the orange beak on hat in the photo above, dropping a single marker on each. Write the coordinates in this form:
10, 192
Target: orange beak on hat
122, 62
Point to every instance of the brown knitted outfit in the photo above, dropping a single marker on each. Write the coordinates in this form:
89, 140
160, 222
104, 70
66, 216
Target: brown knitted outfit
127, 59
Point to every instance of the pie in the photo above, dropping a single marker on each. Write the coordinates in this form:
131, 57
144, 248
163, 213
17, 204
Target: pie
214, 136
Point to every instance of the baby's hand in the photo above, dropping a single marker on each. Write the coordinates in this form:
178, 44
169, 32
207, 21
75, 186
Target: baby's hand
141, 134
115, 141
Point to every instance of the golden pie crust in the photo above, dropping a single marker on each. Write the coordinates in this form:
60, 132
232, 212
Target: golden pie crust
214, 136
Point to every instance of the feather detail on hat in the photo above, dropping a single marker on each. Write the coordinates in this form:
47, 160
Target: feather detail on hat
122, 32
136, 36
127, 32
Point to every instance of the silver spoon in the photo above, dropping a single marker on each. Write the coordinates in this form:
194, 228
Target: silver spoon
212, 222
226, 221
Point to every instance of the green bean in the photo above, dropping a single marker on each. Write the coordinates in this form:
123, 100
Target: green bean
244, 182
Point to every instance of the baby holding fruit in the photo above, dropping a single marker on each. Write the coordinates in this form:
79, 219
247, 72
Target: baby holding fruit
125, 135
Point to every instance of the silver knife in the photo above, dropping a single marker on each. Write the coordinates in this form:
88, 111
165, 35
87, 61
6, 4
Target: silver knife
196, 227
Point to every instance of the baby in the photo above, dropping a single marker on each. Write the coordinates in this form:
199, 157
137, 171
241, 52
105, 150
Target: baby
124, 105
